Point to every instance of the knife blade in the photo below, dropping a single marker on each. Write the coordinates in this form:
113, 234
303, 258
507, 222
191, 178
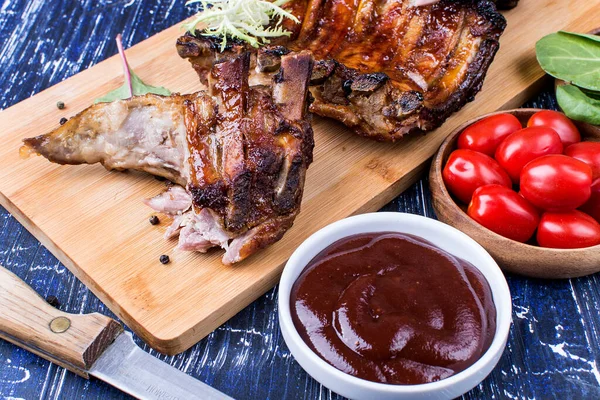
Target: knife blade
90, 344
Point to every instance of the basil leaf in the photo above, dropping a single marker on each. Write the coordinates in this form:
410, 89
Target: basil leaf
574, 58
138, 87
117, 94
578, 105
583, 35
591, 94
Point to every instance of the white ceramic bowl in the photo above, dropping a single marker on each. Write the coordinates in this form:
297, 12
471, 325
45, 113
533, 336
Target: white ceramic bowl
438, 233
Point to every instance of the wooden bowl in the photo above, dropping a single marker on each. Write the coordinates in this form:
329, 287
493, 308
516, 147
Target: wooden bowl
512, 256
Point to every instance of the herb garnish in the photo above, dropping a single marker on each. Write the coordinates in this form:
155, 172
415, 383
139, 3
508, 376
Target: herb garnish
574, 58
133, 85
571, 57
247, 20
578, 104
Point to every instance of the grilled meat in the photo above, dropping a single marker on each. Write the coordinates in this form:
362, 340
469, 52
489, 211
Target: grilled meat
237, 153
145, 133
506, 4
384, 68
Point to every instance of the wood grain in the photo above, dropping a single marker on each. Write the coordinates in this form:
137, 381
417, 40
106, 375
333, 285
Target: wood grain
72, 341
95, 223
512, 256
553, 351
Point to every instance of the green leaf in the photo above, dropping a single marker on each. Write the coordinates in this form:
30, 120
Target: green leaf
138, 87
572, 57
117, 94
578, 105
591, 94
595, 38
133, 85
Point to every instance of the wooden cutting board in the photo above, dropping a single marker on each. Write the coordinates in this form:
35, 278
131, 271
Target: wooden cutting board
95, 223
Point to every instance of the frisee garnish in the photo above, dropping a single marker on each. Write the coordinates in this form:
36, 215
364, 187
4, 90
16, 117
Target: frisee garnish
247, 20
133, 85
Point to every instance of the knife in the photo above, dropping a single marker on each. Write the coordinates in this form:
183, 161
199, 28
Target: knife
90, 344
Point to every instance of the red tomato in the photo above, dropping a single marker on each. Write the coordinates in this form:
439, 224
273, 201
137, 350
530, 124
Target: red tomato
556, 182
525, 145
589, 153
466, 170
485, 135
592, 207
568, 230
504, 211
565, 128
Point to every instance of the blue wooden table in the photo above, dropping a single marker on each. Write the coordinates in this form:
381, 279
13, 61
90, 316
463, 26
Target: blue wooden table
553, 346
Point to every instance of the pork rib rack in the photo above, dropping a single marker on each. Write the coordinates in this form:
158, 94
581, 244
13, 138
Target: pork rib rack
238, 154
385, 68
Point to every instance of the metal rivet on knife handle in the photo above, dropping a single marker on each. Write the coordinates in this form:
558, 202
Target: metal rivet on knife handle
60, 324
95, 346
69, 340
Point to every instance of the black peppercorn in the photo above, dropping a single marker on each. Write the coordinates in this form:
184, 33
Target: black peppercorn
154, 220
164, 259
53, 301
347, 87
60, 105
63, 120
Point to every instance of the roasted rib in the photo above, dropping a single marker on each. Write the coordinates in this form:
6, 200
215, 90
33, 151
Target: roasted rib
385, 68
240, 152
506, 4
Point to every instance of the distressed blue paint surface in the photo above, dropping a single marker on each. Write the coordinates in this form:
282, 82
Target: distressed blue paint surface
553, 345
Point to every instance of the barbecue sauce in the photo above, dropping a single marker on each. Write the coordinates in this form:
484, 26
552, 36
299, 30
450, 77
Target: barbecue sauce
393, 308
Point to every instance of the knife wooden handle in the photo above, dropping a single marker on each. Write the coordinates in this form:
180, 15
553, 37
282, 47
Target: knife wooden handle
69, 340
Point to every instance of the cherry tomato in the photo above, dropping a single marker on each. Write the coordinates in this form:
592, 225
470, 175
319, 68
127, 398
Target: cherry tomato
556, 182
525, 145
485, 135
568, 230
466, 170
504, 211
565, 128
589, 153
592, 206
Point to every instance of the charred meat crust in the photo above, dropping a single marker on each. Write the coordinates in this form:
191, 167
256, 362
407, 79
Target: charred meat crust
469, 88
386, 100
205, 51
240, 151
489, 11
506, 4
262, 167
269, 60
386, 113
264, 235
